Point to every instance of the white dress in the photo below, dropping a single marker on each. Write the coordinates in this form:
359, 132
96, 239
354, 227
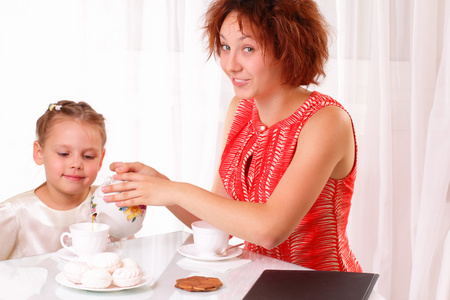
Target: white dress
29, 227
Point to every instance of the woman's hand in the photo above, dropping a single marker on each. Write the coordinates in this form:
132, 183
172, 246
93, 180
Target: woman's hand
142, 185
136, 167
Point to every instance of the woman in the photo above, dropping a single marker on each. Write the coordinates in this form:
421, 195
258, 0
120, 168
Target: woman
288, 167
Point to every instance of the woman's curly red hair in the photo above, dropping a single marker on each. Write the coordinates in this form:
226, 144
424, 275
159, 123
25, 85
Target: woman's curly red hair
294, 30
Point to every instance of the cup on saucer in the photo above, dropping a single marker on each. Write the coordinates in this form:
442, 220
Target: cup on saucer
209, 240
87, 239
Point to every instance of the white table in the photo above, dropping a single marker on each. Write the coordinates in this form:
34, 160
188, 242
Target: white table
34, 277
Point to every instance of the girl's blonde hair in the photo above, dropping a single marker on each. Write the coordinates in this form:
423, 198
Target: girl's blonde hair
68, 109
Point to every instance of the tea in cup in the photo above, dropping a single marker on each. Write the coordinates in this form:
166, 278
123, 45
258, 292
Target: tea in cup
209, 240
87, 239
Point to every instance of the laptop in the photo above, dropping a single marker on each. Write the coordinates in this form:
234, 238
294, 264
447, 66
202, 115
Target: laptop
312, 285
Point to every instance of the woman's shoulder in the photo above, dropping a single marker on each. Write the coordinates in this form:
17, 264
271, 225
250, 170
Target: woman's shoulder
322, 106
325, 110
320, 100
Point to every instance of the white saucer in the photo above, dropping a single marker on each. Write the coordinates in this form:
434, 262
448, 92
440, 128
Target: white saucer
191, 252
61, 279
68, 255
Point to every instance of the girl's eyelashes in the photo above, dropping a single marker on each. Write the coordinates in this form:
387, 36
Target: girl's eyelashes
225, 47
248, 49
86, 156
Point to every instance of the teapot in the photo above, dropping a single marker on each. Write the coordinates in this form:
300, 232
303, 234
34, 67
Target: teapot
123, 221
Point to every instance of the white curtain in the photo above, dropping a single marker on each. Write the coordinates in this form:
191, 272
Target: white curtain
390, 67
142, 63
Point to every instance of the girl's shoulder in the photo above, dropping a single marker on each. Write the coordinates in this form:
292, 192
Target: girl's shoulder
28, 197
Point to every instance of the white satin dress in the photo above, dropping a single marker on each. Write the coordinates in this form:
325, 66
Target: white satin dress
29, 227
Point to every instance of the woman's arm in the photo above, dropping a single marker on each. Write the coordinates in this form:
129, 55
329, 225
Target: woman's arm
325, 149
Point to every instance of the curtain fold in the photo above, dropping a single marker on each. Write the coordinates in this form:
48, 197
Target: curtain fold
389, 67
433, 212
380, 99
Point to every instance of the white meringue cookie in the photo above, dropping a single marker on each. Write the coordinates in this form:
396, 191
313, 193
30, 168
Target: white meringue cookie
128, 262
96, 279
127, 276
108, 261
74, 270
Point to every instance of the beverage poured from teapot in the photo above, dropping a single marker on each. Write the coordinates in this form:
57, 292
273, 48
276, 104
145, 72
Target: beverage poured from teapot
94, 215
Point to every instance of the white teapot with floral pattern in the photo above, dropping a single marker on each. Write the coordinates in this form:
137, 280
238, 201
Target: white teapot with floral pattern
123, 221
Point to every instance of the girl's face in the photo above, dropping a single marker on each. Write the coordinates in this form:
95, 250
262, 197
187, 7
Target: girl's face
254, 74
72, 156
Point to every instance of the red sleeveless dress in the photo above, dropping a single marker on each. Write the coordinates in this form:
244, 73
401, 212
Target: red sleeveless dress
254, 160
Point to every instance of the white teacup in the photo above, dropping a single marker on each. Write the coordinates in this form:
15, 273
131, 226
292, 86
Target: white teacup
209, 240
87, 238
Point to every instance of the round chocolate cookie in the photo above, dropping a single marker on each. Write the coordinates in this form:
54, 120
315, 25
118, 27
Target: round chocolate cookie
199, 284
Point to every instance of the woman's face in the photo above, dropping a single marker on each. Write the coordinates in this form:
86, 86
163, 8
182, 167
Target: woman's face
254, 73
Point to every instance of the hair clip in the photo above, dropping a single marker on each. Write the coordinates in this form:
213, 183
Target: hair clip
54, 106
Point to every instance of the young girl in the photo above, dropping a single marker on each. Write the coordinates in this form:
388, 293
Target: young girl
70, 144
285, 180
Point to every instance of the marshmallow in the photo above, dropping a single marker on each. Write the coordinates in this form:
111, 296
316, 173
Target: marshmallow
74, 270
128, 262
96, 279
108, 261
127, 276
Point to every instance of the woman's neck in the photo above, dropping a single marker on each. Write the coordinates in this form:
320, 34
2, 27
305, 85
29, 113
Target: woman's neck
281, 105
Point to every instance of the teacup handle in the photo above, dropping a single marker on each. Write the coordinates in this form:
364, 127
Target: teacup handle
61, 239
